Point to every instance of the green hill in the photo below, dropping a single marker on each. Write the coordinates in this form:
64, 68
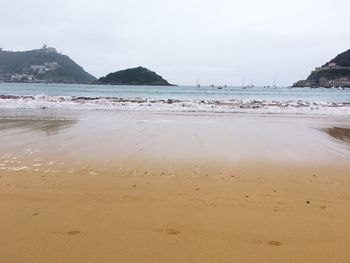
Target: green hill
38, 65
342, 59
335, 73
134, 76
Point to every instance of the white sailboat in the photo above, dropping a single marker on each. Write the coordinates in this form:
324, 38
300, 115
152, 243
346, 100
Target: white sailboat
198, 85
243, 83
251, 84
274, 83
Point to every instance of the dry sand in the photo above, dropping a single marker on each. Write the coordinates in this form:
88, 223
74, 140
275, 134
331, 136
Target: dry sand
120, 187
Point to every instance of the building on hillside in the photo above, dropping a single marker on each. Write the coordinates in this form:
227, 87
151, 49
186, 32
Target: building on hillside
47, 49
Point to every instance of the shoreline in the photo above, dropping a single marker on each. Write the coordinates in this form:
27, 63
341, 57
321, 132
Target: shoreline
151, 136
259, 100
216, 106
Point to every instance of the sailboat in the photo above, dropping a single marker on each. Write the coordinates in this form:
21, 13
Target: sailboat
243, 83
248, 86
274, 83
198, 85
251, 84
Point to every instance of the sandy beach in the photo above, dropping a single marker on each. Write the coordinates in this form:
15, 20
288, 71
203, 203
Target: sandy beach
109, 186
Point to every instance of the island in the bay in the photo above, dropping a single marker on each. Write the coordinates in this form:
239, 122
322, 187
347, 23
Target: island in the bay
335, 73
41, 65
134, 76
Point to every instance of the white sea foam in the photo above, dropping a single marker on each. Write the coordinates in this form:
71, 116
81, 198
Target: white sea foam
176, 105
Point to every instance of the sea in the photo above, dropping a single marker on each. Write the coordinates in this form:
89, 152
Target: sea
261, 100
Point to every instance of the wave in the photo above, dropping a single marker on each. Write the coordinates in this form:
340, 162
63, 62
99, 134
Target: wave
174, 105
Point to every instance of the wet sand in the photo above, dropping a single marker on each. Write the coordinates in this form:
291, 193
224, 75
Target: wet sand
131, 187
342, 134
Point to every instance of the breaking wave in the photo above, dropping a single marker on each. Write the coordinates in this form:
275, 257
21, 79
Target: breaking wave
175, 105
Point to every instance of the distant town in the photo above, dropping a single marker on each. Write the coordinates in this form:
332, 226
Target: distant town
325, 79
31, 73
41, 65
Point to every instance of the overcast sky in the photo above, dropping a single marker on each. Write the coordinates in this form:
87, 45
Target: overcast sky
220, 40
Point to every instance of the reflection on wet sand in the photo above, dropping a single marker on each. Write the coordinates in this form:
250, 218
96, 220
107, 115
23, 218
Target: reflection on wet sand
49, 126
123, 137
339, 133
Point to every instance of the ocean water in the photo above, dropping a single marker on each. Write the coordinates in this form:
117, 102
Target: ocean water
177, 99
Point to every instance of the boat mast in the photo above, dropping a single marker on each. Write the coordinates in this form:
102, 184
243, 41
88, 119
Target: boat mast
198, 85
243, 82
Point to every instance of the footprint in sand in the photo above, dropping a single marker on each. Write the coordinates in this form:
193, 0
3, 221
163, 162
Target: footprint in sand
171, 231
274, 243
73, 233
